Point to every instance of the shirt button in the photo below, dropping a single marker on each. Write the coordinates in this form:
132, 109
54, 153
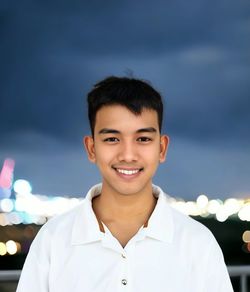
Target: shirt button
123, 255
124, 282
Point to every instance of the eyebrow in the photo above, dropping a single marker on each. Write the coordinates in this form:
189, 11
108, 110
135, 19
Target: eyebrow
113, 131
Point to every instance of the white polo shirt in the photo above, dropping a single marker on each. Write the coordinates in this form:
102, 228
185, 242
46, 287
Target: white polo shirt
174, 253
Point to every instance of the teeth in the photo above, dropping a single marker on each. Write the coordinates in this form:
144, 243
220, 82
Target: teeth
127, 172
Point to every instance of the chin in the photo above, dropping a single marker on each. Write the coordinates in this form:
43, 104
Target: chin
129, 190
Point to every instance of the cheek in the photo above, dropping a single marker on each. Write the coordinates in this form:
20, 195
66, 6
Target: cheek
152, 153
104, 155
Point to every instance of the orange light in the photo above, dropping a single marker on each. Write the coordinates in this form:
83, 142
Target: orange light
246, 236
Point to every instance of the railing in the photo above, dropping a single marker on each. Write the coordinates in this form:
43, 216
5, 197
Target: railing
243, 272
240, 271
10, 275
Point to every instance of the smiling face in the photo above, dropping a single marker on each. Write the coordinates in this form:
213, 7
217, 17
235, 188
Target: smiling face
127, 149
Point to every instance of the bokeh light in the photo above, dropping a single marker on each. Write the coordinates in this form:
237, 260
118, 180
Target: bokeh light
246, 236
6, 174
3, 249
22, 187
221, 215
213, 206
29, 208
244, 213
11, 247
202, 201
6, 205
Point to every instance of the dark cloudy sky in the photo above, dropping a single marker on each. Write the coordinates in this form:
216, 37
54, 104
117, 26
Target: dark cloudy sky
196, 53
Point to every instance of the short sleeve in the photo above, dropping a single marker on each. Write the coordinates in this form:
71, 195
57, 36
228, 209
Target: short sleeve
217, 277
35, 272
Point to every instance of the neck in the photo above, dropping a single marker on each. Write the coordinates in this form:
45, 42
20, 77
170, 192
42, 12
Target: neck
112, 207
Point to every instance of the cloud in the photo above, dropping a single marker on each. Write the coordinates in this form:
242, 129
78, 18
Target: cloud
198, 56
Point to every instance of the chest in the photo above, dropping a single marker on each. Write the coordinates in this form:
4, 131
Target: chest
143, 266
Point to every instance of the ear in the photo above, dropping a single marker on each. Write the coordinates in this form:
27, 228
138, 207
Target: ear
89, 144
163, 148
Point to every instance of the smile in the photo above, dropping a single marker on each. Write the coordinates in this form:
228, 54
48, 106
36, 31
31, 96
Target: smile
127, 171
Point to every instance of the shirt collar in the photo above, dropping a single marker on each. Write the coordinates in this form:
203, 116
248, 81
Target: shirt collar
86, 227
161, 224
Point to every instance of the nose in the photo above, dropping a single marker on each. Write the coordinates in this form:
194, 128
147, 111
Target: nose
128, 152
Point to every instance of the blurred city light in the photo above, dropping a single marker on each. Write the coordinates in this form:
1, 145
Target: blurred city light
244, 212
11, 247
22, 187
28, 208
6, 174
3, 249
214, 206
246, 236
202, 201
37, 209
6, 178
6, 205
222, 215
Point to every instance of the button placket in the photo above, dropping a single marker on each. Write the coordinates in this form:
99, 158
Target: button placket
125, 268
124, 282
127, 257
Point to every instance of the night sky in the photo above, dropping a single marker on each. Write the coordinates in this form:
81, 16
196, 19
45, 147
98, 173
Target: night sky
196, 53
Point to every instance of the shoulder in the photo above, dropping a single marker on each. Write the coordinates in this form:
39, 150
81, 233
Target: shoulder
185, 227
194, 238
61, 225
190, 227
198, 246
66, 217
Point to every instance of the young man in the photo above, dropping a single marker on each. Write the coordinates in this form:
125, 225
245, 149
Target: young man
125, 236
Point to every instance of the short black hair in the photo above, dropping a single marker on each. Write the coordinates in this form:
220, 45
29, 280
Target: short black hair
134, 94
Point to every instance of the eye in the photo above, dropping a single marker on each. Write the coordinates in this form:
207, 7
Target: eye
111, 140
144, 139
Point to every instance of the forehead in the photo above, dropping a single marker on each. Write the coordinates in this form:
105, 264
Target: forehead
120, 118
